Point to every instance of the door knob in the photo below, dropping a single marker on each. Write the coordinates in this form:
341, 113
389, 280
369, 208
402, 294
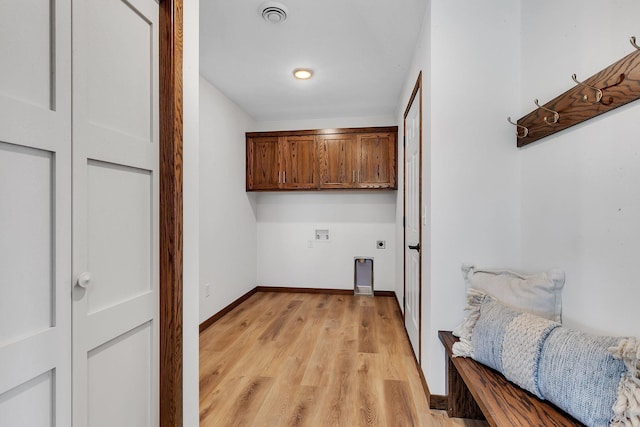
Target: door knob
84, 279
415, 247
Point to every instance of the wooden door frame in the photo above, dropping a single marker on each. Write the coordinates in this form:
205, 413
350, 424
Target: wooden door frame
417, 87
171, 222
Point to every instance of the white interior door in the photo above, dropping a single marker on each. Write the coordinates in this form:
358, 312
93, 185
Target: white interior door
115, 213
412, 230
35, 213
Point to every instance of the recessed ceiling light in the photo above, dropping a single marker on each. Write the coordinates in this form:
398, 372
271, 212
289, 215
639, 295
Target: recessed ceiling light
302, 73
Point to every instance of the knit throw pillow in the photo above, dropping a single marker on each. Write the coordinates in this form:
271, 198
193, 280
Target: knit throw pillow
595, 379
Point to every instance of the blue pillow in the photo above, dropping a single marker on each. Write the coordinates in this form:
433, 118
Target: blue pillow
510, 341
578, 374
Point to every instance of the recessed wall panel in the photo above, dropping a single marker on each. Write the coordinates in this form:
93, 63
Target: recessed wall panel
119, 378
25, 49
120, 71
29, 404
26, 217
119, 233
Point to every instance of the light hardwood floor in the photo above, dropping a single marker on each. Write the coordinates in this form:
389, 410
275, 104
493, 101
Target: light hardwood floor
294, 359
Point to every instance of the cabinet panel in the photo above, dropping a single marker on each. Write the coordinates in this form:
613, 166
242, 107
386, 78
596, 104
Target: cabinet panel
263, 163
337, 160
377, 160
300, 170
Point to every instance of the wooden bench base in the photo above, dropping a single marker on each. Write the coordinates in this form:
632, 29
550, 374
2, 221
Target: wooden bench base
476, 391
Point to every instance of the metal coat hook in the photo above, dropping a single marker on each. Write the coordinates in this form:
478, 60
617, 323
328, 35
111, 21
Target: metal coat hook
597, 91
633, 42
526, 131
556, 115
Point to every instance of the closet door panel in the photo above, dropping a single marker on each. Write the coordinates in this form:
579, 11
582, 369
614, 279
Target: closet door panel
115, 205
35, 215
27, 49
120, 234
27, 243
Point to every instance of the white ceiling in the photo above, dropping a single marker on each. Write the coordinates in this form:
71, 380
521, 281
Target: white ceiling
360, 51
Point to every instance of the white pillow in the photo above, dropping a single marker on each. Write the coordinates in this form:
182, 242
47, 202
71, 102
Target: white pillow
539, 294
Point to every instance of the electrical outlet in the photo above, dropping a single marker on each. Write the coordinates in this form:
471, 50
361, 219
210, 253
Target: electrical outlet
381, 244
207, 290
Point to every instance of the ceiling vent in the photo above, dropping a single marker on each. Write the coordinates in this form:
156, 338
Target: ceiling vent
273, 12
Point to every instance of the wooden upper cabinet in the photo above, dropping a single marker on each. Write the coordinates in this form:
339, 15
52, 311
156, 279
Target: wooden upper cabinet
377, 160
337, 155
300, 168
354, 158
263, 163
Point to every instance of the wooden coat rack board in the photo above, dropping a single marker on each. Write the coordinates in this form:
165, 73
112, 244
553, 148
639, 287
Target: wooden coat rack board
616, 85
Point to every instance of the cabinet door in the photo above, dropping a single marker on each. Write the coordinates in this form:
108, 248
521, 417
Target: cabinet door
377, 161
300, 168
263, 164
337, 160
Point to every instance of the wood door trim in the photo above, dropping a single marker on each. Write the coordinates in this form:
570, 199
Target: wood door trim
417, 87
171, 225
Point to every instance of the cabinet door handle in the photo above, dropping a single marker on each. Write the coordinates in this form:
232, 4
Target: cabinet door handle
353, 176
284, 177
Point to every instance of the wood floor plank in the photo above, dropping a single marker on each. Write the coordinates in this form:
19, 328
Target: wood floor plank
400, 406
370, 390
295, 359
367, 331
338, 402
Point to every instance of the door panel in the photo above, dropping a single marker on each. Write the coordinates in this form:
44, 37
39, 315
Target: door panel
115, 205
130, 352
27, 242
119, 210
29, 404
119, 80
412, 231
26, 49
35, 215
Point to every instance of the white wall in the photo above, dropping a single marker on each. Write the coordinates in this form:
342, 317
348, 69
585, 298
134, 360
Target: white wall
190, 351
581, 191
228, 234
468, 54
356, 220
569, 201
288, 254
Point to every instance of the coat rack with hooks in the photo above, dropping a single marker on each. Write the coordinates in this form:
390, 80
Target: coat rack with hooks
616, 85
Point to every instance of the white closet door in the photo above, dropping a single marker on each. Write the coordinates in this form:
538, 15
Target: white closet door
35, 213
115, 213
